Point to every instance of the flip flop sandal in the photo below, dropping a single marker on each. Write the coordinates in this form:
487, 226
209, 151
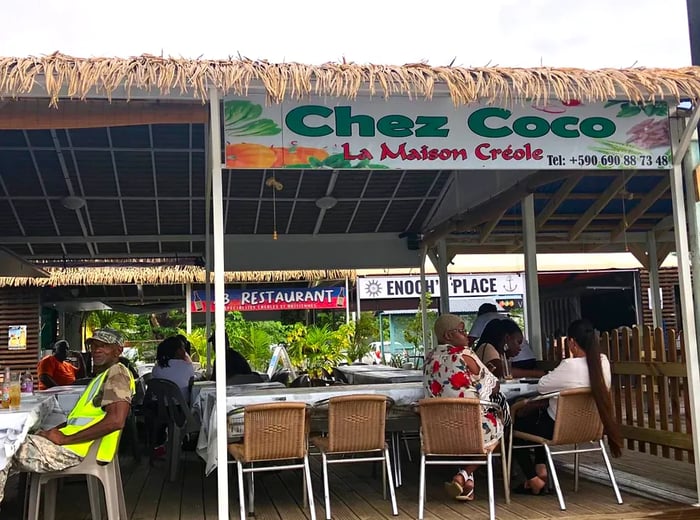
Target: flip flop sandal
453, 489
466, 495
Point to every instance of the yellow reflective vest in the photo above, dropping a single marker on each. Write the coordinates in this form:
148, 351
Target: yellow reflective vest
85, 414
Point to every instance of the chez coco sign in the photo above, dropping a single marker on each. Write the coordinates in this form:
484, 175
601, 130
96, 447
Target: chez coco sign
434, 134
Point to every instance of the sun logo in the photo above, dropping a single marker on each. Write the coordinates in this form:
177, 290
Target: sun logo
373, 288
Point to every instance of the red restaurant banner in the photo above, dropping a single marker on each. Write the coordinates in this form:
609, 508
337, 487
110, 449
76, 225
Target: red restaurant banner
275, 299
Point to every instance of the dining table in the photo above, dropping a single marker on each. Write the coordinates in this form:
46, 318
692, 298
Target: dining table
16, 424
378, 374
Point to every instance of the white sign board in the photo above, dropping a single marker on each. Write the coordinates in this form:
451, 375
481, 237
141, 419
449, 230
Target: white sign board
417, 134
379, 287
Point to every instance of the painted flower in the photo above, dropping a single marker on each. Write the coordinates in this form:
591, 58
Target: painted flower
492, 418
459, 380
435, 387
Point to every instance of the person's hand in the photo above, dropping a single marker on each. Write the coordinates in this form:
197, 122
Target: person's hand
54, 435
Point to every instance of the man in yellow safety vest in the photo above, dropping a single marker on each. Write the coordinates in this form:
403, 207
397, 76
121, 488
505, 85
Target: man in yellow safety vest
98, 416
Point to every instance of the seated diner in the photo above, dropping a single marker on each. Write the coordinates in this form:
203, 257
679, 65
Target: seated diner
587, 368
452, 369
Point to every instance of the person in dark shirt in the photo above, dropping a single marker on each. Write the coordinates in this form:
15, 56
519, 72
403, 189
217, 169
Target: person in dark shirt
236, 364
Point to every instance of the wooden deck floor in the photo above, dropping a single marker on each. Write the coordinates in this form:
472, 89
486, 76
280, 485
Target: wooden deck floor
356, 495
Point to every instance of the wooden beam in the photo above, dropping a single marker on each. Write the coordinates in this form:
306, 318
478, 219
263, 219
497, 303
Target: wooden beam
643, 205
37, 115
556, 200
595, 208
488, 227
491, 208
640, 253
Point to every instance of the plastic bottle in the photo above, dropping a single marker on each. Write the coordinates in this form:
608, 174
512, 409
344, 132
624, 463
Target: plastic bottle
6, 388
27, 384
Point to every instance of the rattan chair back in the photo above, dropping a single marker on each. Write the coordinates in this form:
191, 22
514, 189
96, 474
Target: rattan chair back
356, 423
274, 431
578, 420
451, 426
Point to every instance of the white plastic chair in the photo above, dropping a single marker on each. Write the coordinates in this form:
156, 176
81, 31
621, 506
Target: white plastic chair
108, 474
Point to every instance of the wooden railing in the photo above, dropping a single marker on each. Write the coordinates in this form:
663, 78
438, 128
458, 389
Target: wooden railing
649, 389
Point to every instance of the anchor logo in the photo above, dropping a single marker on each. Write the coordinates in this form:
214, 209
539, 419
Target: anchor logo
509, 285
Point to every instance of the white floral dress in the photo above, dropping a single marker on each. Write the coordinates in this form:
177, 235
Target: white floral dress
445, 374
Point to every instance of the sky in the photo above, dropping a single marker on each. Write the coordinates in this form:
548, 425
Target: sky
512, 33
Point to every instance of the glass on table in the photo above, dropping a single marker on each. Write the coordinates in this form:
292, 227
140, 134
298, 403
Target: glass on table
15, 394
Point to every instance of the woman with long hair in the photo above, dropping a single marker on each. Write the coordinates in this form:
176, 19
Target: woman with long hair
587, 368
490, 347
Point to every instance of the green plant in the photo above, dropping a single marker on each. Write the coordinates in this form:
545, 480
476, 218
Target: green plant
413, 333
316, 349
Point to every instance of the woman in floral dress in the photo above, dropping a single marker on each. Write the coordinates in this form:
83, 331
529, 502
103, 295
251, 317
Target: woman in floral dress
454, 370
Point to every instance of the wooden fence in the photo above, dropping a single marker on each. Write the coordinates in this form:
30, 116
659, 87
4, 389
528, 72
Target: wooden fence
649, 389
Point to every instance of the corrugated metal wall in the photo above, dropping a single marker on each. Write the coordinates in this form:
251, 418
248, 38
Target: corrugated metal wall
20, 307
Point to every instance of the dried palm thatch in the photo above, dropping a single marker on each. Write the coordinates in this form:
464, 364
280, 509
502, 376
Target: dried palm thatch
163, 275
63, 75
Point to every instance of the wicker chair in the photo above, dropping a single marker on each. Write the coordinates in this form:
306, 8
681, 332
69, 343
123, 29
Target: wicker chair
577, 422
272, 432
451, 434
356, 425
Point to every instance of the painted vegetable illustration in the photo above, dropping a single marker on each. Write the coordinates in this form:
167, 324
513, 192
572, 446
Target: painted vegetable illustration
249, 155
242, 118
629, 109
336, 162
297, 155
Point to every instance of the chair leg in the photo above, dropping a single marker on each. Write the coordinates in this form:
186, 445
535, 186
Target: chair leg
251, 492
555, 478
576, 462
408, 449
307, 476
610, 471
120, 487
392, 491
174, 450
506, 473
94, 494
50, 492
111, 499
241, 491
421, 486
34, 497
326, 491
489, 472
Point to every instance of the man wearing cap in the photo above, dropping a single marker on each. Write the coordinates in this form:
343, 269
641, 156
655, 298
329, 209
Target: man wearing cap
54, 370
98, 416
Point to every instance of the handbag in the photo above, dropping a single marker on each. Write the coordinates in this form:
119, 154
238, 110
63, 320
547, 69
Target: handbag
501, 400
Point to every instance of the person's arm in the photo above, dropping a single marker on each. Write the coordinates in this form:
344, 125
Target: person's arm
45, 374
47, 380
556, 380
524, 372
116, 414
492, 360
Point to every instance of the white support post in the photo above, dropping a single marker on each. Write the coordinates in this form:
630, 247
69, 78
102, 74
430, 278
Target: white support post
347, 300
219, 293
188, 308
208, 252
357, 298
686, 291
532, 288
424, 311
442, 276
654, 286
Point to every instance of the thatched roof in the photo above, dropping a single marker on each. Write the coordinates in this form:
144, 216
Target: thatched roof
163, 275
62, 75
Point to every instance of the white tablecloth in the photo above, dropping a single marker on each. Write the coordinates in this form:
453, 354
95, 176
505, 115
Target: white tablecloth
16, 424
403, 394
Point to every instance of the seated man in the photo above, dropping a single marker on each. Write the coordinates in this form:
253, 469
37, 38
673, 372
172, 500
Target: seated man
54, 370
236, 364
100, 413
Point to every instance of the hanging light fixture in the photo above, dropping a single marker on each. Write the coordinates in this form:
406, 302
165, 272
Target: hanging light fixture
276, 186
